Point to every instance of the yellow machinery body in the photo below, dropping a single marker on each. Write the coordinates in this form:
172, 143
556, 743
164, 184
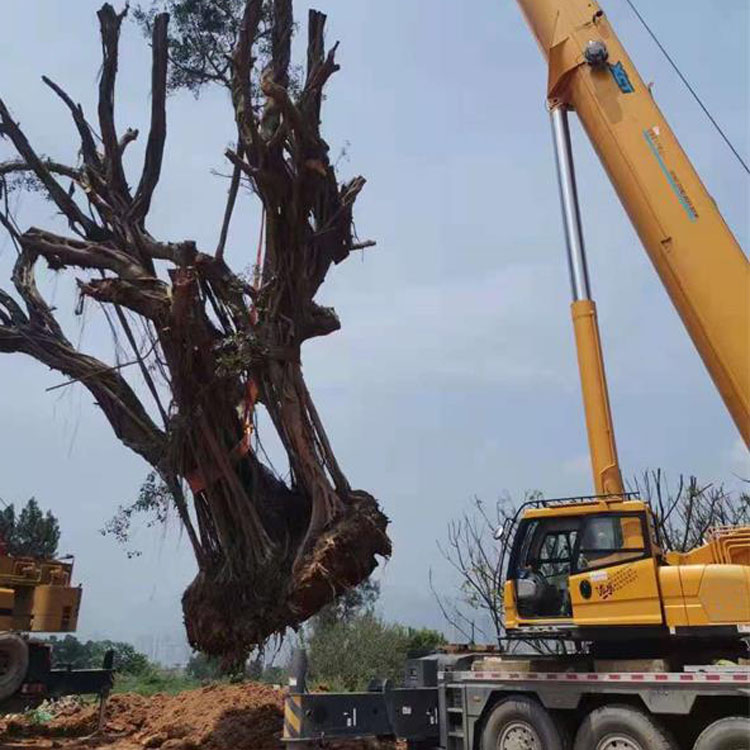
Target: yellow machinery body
36, 595
596, 565
602, 566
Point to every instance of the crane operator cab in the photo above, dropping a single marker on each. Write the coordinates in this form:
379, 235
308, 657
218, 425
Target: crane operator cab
592, 568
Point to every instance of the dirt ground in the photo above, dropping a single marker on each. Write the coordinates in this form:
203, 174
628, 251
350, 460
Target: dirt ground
216, 717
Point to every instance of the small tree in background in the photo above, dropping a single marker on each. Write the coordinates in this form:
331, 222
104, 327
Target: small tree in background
349, 644
685, 512
476, 612
348, 607
347, 655
31, 533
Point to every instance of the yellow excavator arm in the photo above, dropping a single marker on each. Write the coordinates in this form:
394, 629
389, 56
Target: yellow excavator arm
699, 261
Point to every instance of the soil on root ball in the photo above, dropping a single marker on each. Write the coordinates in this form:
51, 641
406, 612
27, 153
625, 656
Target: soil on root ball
227, 618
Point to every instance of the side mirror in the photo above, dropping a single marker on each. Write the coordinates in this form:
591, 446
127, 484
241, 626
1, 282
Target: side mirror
502, 531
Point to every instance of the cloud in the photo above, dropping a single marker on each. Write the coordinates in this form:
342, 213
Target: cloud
476, 330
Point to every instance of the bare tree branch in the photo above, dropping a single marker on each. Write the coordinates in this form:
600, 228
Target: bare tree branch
40, 336
158, 132
61, 252
88, 146
130, 135
64, 202
147, 297
109, 23
15, 166
242, 63
234, 187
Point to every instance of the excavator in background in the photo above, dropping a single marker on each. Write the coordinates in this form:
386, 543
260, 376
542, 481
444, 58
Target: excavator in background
37, 596
660, 658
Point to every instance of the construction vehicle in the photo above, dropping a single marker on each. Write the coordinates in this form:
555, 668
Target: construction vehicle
660, 635
36, 596
593, 570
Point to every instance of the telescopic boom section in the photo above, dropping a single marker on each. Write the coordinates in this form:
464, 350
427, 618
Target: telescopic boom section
602, 448
700, 263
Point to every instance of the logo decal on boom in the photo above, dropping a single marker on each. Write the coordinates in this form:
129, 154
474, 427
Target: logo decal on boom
621, 78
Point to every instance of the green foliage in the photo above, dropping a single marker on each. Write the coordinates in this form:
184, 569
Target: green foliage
347, 655
274, 676
38, 716
202, 37
423, 641
31, 533
204, 668
154, 680
70, 651
348, 644
154, 499
349, 605
134, 673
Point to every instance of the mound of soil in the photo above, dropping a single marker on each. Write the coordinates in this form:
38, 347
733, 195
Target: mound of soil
216, 717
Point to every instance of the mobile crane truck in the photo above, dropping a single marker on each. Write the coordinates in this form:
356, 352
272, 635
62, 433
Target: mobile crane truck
662, 657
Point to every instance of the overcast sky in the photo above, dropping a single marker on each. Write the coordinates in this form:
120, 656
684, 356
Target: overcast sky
454, 375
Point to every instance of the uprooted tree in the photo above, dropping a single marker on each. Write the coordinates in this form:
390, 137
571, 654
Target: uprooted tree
210, 346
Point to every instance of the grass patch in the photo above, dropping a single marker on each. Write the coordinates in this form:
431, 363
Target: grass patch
154, 680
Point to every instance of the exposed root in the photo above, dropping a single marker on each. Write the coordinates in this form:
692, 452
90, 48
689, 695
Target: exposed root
228, 618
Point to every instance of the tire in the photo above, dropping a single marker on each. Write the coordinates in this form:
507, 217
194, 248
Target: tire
620, 727
520, 718
14, 663
732, 733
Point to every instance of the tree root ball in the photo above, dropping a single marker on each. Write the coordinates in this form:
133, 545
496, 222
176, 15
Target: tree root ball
228, 618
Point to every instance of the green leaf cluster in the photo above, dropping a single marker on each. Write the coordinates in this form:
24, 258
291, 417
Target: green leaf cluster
30, 533
69, 651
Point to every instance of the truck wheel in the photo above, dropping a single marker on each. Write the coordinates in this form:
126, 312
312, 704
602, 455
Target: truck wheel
732, 733
520, 723
621, 728
14, 662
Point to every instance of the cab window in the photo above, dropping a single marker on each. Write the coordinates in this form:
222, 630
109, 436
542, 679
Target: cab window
544, 567
610, 540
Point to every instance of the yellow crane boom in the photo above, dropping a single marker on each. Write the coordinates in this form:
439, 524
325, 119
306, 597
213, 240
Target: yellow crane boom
698, 259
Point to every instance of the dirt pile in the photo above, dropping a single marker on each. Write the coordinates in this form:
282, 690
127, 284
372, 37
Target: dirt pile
215, 717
